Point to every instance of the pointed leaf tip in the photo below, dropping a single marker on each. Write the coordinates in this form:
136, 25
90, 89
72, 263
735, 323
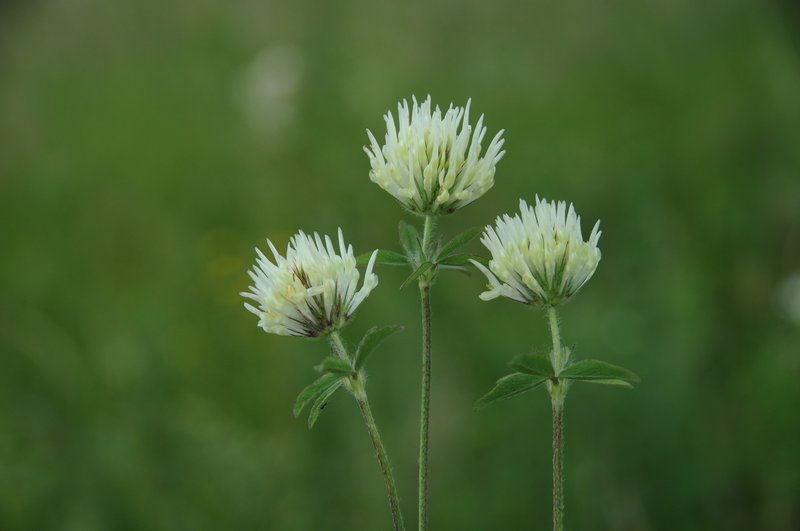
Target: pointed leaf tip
535, 364
384, 257
371, 340
599, 372
309, 392
421, 270
508, 386
321, 402
459, 241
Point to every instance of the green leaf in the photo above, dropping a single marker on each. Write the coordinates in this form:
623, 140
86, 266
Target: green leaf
508, 386
372, 339
620, 383
460, 269
421, 270
321, 402
308, 394
409, 239
462, 260
459, 241
334, 365
384, 257
599, 372
532, 364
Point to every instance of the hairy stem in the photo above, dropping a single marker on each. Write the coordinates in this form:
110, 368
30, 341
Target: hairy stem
558, 466
425, 399
356, 385
558, 392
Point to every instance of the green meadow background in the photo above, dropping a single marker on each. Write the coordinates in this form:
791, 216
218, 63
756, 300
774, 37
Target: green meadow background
147, 146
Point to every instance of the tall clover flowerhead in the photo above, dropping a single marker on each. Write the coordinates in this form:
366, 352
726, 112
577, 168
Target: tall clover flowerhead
311, 291
430, 162
539, 256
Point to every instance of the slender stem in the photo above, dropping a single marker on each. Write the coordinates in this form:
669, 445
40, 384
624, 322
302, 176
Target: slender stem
338, 346
558, 466
425, 399
427, 234
356, 385
383, 460
558, 392
556, 356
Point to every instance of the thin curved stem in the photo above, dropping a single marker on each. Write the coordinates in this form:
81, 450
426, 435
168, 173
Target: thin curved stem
355, 384
425, 398
383, 460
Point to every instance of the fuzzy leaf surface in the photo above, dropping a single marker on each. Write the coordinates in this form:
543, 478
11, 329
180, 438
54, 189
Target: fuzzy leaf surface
508, 386
308, 393
421, 270
321, 402
599, 372
385, 257
372, 339
459, 241
534, 364
334, 365
409, 239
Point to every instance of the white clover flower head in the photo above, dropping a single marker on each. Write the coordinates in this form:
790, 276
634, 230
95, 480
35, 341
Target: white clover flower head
539, 256
431, 163
311, 291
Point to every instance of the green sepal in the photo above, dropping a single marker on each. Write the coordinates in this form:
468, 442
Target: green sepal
334, 365
309, 392
385, 257
508, 386
534, 364
321, 402
409, 239
421, 270
597, 371
459, 241
372, 339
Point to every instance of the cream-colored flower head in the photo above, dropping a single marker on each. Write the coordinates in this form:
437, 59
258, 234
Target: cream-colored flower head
430, 163
539, 256
311, 291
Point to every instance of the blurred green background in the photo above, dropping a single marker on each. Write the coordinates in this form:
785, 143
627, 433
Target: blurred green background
147, 146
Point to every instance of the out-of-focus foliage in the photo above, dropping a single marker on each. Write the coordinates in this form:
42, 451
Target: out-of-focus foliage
147, 146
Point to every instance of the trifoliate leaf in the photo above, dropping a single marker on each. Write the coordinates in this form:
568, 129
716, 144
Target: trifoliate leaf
372, 339
511, 385
599, 372
308, 394
459, 241
384, 257
421, 270
334, 365
321, 402
409, 239
532, 364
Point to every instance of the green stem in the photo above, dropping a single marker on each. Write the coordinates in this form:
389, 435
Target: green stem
558, 466
556, 355
558, 392
356, 385
425, 399
427, 235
